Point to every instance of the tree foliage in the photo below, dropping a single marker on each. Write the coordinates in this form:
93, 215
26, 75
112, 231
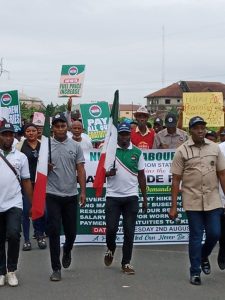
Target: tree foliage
27, 112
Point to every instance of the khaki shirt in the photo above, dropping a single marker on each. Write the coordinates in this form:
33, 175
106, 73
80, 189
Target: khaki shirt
171, 141
198, 167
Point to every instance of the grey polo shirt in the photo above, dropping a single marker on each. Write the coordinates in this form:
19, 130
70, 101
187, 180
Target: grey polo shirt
62, 181
165, 140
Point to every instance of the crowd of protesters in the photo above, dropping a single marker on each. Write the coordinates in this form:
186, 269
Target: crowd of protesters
197, 153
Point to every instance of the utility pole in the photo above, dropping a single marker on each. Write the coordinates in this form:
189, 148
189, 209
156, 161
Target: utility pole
2, 70
163, 56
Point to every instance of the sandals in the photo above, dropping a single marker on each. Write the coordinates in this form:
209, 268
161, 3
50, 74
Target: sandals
27, 246
42, 243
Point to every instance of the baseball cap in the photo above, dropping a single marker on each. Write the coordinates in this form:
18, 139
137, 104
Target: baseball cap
212, 133
59, 117
171, 120
141, 110
196, 120
7, 127
158, 121
123, 127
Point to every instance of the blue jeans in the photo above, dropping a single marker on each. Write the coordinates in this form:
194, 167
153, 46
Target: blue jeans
10, 228
198, 222
128, 207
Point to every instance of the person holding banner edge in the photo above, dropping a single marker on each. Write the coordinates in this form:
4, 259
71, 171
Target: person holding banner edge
199, 163
122, 196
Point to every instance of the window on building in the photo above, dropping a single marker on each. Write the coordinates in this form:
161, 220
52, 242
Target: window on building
167, 101
178, 100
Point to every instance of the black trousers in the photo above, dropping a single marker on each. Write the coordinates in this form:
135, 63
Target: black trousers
61, 210
10, 229
128, 208
222, 237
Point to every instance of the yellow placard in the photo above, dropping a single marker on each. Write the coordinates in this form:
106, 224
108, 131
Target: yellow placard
209, 106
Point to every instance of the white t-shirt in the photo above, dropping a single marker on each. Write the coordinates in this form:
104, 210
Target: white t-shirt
124, 183
10, 189
85, 143
15, 141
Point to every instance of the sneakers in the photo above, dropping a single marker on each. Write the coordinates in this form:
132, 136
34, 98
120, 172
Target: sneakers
221, 259
108, 258
41, 243
2, 280
12, 279
27, 246
66, 259
128, 269
56, 276
195, 280
206, 266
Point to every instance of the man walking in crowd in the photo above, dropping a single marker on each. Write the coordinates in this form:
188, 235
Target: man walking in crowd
171, 137
158, 125
122, 196
14, 173
66, 160
198, 163
142, 136
30, 146
77, 130
221, 253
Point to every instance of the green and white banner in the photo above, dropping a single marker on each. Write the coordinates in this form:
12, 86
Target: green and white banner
95, 118
154, 227
10, 106
71, 81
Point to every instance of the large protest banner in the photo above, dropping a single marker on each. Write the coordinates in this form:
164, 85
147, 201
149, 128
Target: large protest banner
95, 117
207, 105
155, 227
71, 81
10, 101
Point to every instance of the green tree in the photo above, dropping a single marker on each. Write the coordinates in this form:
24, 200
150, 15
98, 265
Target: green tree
26, 112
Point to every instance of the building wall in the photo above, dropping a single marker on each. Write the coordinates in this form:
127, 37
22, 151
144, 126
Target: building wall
35, 104
125, 114
154, 104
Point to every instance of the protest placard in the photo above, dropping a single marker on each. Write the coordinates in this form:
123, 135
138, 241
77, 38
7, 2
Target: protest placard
95, 118
10, 100
209, 106
38, 119
71, 81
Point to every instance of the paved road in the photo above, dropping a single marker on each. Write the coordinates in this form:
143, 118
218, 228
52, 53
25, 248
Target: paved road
161, 273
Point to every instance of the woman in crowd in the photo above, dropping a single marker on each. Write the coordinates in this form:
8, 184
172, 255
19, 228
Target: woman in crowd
30, 146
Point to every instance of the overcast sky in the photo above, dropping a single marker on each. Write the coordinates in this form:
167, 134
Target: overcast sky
119, 41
